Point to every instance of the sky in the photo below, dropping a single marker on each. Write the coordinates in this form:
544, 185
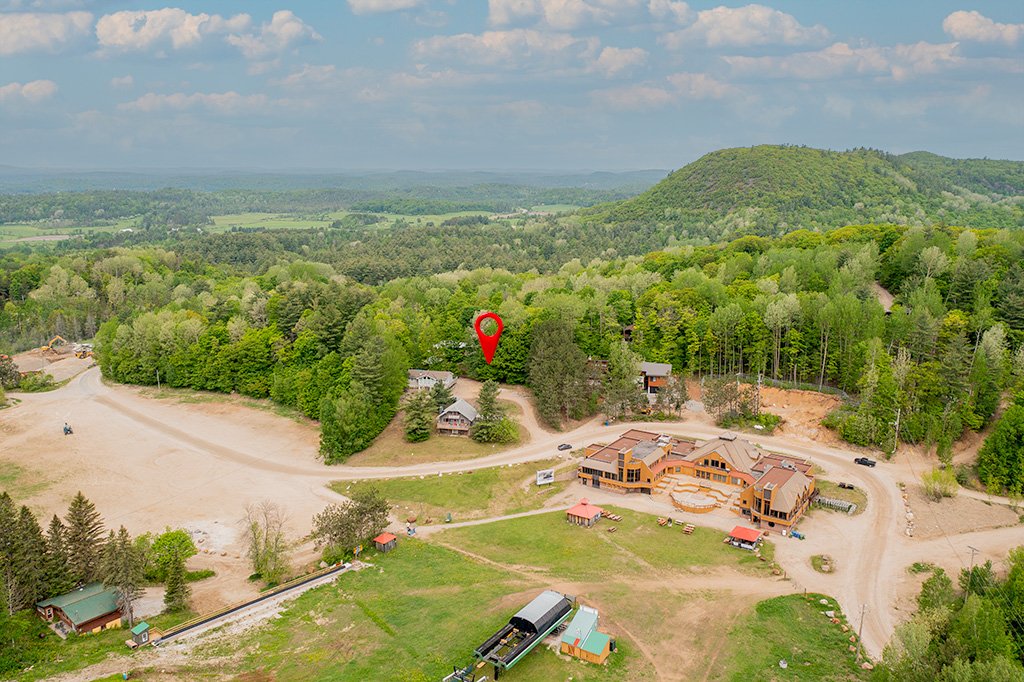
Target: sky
500, 84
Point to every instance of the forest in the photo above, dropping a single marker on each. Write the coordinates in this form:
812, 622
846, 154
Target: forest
283, 316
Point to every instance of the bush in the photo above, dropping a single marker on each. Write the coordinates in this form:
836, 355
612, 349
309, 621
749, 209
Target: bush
939, 483
37, 383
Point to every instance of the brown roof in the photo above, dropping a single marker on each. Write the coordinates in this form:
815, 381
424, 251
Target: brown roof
773, 460
789, 486
740, 454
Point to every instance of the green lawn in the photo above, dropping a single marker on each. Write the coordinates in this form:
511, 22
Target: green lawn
830, 489
790, 628
477, 494
11, 232
548, 543
420, 610
19, 482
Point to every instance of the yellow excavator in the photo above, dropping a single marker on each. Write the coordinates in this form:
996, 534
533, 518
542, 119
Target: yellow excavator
53, 343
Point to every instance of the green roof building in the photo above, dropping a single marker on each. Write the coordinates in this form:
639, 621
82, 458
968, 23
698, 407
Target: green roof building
90, 608
583, 640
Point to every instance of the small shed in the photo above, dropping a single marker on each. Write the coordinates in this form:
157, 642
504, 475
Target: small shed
140, 633
582, 639
743, 537
583, 513
385, 542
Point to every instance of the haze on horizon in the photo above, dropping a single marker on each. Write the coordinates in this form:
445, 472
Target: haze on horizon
510, 84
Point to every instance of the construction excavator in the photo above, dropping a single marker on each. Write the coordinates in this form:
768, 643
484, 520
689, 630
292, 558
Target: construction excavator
52, 345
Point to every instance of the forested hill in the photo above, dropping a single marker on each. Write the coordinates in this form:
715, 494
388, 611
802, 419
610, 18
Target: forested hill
772, 189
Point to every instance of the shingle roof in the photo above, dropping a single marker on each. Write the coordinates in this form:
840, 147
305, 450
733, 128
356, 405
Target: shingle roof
789, 486
463, 408
738, 453
656, 369
433, 374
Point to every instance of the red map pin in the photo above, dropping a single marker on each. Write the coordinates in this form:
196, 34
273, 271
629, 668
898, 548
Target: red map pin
488, 344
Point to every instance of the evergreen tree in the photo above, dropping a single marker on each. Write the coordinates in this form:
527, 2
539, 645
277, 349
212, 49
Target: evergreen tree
558, 371
419, 416
29, 558
10, 587
177, 591
492, 426
441, 396
121, 569
56, 570
1001, 458
622, 390
84, 539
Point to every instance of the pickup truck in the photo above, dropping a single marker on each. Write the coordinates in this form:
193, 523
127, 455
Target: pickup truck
864, 461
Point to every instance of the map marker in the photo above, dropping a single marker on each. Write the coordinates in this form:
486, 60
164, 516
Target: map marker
488, 344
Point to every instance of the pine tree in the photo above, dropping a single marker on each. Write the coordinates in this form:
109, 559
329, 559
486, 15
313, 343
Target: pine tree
622, 391
419, 417
558, 371
177, 590
29, 558
57, 575
487, 427
10, 587
441, 396
122, 569
84, 533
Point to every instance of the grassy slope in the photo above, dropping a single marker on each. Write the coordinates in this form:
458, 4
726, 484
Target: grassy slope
488, 492
830, 489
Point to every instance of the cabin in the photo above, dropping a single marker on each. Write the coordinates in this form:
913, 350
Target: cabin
89, 609
584, 513
457, 418
385, 542
583, 640
424, 379
654, 377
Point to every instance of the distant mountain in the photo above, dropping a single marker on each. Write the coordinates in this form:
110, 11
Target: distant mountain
771, 189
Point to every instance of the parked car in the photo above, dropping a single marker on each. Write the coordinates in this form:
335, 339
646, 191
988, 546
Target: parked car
565, 446
864, 461
846, 486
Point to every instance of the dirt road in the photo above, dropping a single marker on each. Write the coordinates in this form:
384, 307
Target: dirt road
149, 463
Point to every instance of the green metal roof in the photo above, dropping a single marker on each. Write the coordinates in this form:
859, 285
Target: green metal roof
140, 628
74, 595
596, 642
580, 627
84, 604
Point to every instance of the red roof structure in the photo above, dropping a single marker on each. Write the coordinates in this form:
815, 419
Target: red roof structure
745, 534
384, 538
584, 510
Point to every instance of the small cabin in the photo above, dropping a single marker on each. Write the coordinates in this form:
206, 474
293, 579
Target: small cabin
584, 513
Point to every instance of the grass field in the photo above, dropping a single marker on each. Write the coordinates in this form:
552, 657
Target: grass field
19, 482
548, 543
391, 449
830, 489
495, 491
790, 628
11, 233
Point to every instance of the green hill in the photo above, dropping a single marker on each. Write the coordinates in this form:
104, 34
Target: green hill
771, 189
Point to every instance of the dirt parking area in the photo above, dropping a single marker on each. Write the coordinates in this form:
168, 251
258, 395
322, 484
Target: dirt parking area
956, 515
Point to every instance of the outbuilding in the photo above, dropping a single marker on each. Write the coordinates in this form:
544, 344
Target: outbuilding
584, 513
90, 608
743, 537
385, 542
583, 640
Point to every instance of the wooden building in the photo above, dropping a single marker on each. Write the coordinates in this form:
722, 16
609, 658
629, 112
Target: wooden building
583, 640
457, 418
633, 463
90, 608
424, 379
654, 377
385, 542
583, 513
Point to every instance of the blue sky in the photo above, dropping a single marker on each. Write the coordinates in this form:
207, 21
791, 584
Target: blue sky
500, 84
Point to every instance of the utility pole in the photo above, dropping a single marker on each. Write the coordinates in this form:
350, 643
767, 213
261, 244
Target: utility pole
970, 572
896, 433
860, 631
158, 380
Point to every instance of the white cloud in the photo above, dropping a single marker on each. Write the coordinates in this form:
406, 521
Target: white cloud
976, 26
29, 31
307, 75
122, 81
508, 49
615, 60
699, 86
168, 27
375, 6
561, 14
218, 102
744, 27
282, 32
678, 12
681, 86
898, 62
33, 91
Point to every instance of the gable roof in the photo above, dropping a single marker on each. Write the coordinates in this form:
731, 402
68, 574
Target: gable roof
738, 453
84, 604
462, 407
384, 538
140, 628
437, 375
789, 486
656, 369
580, 627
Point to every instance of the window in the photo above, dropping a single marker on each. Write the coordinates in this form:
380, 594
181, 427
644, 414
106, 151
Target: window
633, 476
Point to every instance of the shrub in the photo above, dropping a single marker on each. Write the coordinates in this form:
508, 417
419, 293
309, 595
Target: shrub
939, 483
